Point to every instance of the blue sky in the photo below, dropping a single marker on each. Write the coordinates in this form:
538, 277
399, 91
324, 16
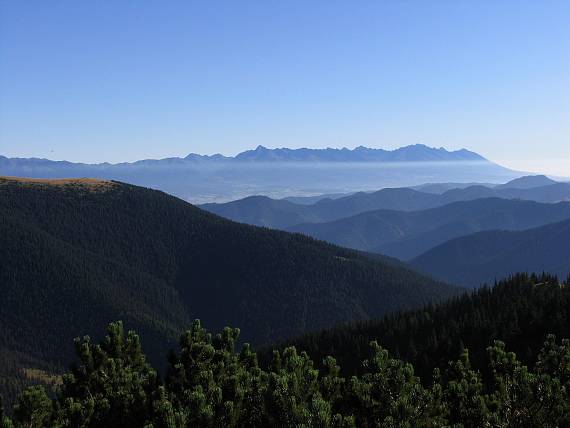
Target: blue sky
123, 80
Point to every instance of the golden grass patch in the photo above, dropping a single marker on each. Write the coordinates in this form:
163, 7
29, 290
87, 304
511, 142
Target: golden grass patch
94, 183
42, 376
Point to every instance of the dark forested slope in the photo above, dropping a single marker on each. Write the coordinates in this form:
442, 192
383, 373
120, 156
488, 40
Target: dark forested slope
210, 383
78, 253
408, 234
520, 311
486, 256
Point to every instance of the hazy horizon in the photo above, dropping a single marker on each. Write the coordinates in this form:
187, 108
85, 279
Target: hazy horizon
116, 82
552, 167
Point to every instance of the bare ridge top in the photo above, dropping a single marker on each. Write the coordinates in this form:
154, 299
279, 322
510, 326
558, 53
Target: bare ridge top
88, 182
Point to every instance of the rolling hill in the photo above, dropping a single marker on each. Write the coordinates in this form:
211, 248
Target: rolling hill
76, 254
440, 188
487, 256
550, 193
264, 211
281, 214
527, 182
278, 214
406, 235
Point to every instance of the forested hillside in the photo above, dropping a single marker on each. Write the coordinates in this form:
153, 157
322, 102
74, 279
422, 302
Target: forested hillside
486, 256
406, 235
520, 311
78, 253
210, 384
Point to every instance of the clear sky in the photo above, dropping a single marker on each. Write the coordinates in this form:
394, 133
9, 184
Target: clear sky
123, 80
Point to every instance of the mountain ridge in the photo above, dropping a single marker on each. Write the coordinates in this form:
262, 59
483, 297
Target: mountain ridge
486, 256
286, 213
410, 153
407, 234
277, 173
73, 258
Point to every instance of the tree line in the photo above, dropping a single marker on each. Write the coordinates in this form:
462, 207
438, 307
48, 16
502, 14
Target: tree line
520, 311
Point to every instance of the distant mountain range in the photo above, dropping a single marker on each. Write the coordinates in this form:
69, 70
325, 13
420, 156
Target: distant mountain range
310, 200
406, 235
76, 254
488, 256
413, 153
278, 172
405, 223
524, 182
282, 214
440, 188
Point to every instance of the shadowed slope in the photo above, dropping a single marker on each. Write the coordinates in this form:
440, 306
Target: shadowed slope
483, 257
72, 259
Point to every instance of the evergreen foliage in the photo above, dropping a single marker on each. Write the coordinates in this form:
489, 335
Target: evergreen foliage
209, 384
521, 311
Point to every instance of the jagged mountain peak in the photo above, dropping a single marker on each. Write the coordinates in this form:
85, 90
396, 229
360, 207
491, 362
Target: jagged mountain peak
411, 153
